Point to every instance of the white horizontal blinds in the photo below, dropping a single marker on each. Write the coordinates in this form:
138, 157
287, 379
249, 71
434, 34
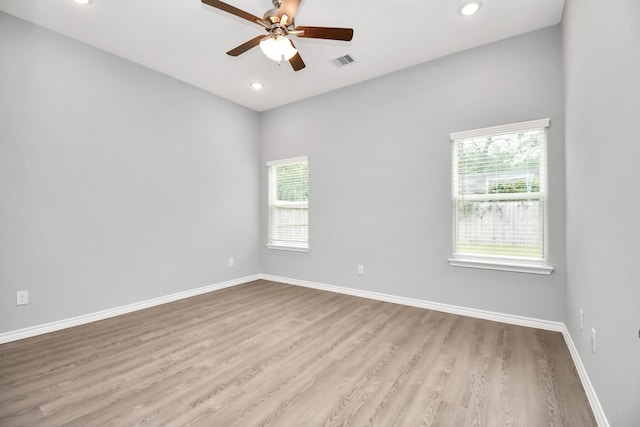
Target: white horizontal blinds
289, 197
499, 193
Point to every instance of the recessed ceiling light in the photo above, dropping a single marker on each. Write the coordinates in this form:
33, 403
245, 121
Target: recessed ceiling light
257, 85
82, 1
469, 8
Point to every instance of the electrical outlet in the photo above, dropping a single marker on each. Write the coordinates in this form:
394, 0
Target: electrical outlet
22, 297
581, 320
231, 262
593, 340
360, 269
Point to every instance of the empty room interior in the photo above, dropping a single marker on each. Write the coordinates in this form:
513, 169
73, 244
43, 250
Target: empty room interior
409, 216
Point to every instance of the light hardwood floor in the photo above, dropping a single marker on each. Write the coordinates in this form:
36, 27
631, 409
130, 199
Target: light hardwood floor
266, 353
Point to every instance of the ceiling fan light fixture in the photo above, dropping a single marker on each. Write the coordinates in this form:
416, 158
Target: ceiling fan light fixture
469, 8
278, 48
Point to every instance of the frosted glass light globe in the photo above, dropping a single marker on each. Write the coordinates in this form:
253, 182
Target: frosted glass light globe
278, 48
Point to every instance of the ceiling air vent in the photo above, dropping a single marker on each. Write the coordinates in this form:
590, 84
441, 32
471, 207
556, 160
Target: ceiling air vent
343, 60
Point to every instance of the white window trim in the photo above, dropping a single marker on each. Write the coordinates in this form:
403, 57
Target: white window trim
283, 245
502, 263
287, 246
290, 160
496, 130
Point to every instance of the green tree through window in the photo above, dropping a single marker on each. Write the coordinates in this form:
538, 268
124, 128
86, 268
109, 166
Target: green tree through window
293, 182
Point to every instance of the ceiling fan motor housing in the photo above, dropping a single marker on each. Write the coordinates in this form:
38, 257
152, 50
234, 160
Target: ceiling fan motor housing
271, 16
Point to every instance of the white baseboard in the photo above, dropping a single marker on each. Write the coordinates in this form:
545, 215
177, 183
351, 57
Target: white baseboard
112, 312
471, 312
447, 308
598, 412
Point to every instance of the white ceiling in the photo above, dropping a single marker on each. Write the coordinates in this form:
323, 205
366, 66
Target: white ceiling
187, 40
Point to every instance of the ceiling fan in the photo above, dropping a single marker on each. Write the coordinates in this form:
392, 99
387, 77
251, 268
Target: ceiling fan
279, 23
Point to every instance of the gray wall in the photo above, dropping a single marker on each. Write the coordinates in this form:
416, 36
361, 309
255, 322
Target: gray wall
118, 184
380, 175
602, 59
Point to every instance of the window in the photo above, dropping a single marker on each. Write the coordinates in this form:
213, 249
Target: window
289, 204
499, 198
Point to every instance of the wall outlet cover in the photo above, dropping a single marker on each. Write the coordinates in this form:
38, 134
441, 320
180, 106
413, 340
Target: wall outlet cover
581, 320
22, 297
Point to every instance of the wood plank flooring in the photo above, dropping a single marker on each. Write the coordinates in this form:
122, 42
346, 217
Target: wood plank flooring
269, 354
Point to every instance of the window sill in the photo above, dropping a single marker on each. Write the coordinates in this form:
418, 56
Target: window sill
502, 265
281, 247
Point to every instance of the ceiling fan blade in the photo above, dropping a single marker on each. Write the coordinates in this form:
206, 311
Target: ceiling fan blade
232, 10
246, 46
344, 34
289, 8
296, 60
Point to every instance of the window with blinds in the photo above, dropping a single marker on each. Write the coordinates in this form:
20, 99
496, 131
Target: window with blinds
289, 204
499, 197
